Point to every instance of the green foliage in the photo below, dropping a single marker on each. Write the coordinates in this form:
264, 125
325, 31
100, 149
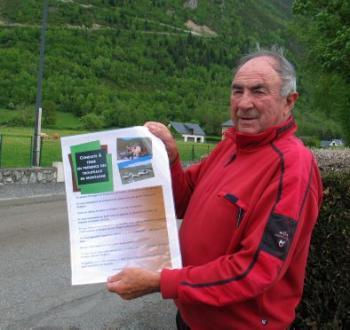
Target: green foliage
330, 24
15, 151
127, 63
22, 118
50, 152
49, 116
325, 27
16, 146
213, 139
326, 299
311, 141
91, 121
316, 124
66, 120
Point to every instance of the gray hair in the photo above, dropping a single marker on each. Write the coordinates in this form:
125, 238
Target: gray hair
284, 69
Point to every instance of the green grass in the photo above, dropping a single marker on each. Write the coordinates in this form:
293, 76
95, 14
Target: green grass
68, 121
15, 151
64, 120
16, 147
50, 152
29, 131
6, 115
193, 151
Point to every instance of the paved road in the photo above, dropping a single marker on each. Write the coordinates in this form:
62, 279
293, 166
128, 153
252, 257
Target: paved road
35, 290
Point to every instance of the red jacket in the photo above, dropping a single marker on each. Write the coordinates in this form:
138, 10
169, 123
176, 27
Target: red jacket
248, 212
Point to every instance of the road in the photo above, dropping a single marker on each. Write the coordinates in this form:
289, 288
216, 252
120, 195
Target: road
35, 284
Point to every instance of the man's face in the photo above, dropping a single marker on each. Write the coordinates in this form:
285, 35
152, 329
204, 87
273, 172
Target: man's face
256, 103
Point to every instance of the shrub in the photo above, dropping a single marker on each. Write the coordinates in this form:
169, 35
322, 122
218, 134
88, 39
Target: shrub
326, 298
49, 116
311, 141
212, 138
24, 118
92, 121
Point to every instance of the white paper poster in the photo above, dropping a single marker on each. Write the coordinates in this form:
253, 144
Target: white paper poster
120, 204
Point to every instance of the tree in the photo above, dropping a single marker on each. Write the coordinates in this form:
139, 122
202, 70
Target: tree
49, 113
329, 33
326, 33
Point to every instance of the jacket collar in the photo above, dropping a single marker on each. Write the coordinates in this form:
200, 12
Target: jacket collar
252, 141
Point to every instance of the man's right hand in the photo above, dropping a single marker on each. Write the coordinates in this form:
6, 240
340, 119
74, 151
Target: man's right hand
162, 132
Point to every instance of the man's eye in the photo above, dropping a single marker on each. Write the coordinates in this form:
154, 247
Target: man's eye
236, 91
259, 91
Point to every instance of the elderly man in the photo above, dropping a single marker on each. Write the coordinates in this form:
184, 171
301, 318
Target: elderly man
248, 212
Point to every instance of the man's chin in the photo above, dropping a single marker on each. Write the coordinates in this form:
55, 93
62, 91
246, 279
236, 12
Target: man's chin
247, 129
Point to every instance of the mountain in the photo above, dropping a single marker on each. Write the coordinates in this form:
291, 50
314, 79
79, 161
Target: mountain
122, 62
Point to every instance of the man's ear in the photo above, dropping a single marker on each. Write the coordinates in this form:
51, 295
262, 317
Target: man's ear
290, 101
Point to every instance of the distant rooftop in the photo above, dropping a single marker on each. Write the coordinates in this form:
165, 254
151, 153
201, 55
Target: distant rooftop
187, 128
228, 123
331, 143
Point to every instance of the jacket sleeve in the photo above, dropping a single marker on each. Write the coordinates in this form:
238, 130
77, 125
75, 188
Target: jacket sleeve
183, 183
283, 216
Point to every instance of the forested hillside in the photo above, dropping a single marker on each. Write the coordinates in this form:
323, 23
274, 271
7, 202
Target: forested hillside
119, 63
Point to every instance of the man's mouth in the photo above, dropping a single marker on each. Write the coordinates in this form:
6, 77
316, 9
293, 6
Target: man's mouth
247, 118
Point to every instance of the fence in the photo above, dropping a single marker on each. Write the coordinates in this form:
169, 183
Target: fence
194, 151
16, 151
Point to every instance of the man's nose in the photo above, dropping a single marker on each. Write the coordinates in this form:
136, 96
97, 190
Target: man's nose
245, 102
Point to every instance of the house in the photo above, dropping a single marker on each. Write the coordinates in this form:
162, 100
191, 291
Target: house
190, 132
332, 143
226, 125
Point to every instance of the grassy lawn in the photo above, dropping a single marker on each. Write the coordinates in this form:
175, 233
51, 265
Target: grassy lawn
193, 151
64, 120
15, 148
15, 151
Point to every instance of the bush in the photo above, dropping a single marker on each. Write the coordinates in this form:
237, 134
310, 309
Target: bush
326, 299
311, 141
23, 118
92, 121
213, 138
49, 113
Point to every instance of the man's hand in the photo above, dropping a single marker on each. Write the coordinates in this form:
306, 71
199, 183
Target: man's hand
162, 132
132, 283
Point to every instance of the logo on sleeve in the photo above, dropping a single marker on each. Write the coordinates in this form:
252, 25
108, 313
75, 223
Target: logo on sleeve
282, 237
278, 235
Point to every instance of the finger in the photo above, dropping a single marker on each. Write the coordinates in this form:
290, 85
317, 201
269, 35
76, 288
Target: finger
154, 127
115, 277
149, 123
152, 124
114, 287
128, 296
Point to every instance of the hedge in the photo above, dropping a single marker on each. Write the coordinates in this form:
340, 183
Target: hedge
326, 298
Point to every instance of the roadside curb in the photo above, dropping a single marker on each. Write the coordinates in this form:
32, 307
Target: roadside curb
38, 199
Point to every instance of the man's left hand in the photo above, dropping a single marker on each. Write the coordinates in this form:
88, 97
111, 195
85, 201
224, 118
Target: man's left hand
132, 283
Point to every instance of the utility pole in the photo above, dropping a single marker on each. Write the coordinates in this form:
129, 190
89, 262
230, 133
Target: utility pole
38, 102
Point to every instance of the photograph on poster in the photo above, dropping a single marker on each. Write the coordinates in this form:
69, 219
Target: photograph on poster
134, 157
134, 148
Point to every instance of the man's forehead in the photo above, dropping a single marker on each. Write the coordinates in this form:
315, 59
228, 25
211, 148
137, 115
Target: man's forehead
260, 69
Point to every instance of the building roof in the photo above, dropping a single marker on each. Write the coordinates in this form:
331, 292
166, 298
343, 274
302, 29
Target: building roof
331, 143
187, 128
227, 123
